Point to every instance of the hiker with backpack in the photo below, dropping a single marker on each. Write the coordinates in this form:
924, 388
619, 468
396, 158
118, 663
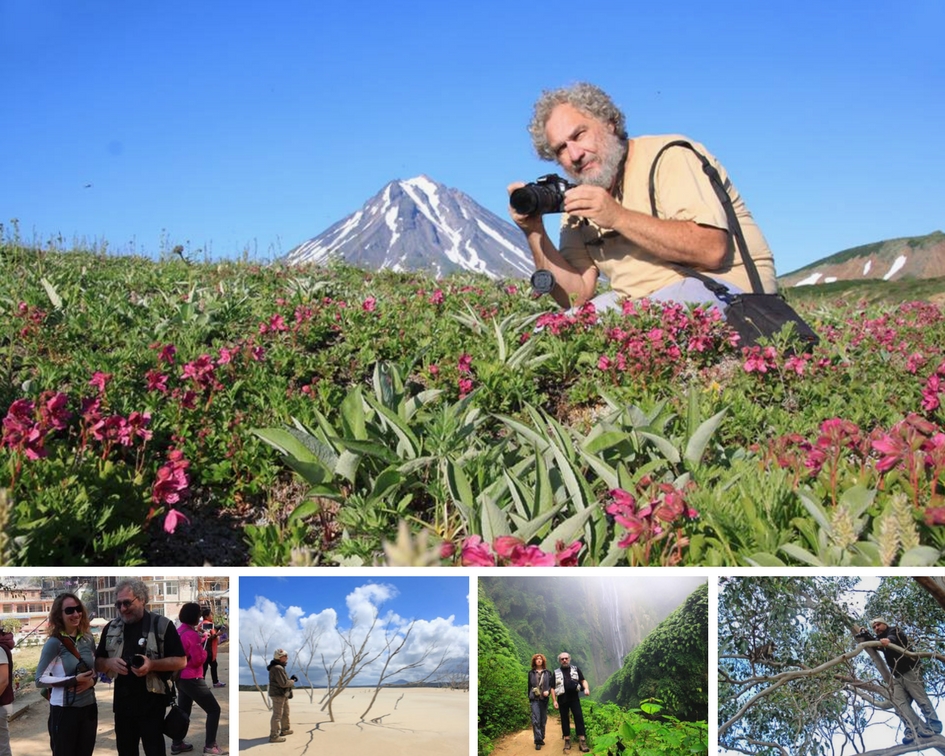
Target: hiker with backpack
66, 676
139, 650
191, 686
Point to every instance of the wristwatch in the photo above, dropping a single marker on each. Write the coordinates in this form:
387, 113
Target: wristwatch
543, 281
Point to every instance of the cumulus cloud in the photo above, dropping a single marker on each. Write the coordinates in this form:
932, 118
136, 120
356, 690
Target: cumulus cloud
319, 640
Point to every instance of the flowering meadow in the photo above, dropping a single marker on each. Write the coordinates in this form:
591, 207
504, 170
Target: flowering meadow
338, 417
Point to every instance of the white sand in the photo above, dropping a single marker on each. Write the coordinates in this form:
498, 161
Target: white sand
425, 721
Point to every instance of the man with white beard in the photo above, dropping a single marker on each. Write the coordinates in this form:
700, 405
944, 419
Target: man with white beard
609, 227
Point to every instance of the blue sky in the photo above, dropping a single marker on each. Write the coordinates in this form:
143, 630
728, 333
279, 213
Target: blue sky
416, 597
307, 616
252, 127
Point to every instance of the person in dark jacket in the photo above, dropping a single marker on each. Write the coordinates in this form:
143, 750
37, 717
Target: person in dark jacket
566, 696
539, 688
6, 689
907, 683
280, 691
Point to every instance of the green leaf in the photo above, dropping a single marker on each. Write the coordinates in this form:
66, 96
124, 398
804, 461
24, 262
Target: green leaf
699, 440
920, 556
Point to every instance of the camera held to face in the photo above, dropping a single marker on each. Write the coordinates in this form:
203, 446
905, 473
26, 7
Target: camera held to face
546, 195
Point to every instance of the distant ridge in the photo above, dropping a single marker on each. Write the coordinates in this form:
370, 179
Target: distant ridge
913, 257
421, 225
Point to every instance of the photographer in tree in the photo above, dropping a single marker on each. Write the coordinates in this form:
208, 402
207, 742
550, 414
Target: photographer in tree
139, 650
609, 227
907, 686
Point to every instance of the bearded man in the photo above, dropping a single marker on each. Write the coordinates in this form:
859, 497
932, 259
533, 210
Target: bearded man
609, 226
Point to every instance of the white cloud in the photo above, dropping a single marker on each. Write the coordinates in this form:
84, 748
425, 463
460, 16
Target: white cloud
315, 640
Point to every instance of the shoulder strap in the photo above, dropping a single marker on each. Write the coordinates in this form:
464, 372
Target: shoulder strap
734, 227
69, 645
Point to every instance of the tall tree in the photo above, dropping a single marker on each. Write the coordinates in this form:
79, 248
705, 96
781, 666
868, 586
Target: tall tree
794, 678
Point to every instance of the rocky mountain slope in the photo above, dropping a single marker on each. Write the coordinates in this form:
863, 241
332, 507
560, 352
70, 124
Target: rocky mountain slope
913, 257
419, 224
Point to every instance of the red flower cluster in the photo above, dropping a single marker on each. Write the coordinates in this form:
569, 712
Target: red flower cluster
171, 486
650, 519
513, 552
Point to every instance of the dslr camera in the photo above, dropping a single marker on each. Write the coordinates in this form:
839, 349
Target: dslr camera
136, 661
546, 195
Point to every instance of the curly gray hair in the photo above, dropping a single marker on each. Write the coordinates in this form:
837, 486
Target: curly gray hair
139, 589
587, 98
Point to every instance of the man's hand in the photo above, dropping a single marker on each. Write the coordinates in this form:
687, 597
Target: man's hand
594, 203
113, 666
143, 669
84, 681
530, 224
884, 641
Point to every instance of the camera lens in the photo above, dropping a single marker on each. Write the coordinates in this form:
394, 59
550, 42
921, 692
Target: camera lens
524, 200
137, 661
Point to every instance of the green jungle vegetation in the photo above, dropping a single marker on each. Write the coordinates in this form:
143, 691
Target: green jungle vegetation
672, 719
551, 614
333, 416
670, 664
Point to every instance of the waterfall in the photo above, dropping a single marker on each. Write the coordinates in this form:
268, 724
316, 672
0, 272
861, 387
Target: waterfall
618, 632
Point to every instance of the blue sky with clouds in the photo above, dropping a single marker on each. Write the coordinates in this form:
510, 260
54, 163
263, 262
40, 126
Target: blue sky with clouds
255, 126
307, 615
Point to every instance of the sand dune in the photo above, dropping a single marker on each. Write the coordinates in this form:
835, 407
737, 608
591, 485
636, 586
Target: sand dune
409, 722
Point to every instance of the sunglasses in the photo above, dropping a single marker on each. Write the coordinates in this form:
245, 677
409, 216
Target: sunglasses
125, 603
72, 609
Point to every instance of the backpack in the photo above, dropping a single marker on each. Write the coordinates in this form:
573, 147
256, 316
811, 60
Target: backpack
6, 696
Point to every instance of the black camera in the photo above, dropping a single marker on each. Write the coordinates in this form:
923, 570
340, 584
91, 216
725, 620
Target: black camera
81, 667
546, 195
137, 661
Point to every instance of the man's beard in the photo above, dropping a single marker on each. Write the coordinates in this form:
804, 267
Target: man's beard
610, 158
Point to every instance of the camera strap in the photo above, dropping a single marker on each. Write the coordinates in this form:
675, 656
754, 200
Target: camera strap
69, 645
734, 227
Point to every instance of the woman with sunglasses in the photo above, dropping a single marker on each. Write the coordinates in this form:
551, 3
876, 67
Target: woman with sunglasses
66, 667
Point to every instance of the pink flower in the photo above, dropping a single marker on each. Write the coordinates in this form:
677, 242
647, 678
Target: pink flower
505, 545
167, 354
172, 482
100, 380
173, 518
437, 297
476, 553
567, 556
465, 363
531, 556
935, 516
369, 304
465, 387
156, 381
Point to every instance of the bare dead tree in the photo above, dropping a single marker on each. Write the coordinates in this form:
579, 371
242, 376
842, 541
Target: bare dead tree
394, 648
262, 642
310, 639
354, 657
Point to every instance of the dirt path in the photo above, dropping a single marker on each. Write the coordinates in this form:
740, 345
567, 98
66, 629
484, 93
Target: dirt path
523, 744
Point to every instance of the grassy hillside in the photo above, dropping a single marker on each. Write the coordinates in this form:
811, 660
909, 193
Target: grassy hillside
162, 412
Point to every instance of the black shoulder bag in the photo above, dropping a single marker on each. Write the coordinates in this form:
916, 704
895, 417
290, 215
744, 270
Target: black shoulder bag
753, 315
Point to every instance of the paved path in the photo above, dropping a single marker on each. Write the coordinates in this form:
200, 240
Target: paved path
29, 736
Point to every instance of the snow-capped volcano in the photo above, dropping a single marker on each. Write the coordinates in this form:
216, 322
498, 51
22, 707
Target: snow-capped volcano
419, 224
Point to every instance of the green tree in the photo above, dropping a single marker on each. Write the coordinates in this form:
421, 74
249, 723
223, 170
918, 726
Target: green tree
503, 706
793, 678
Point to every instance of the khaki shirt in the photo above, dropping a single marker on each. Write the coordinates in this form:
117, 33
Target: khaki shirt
683, 192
